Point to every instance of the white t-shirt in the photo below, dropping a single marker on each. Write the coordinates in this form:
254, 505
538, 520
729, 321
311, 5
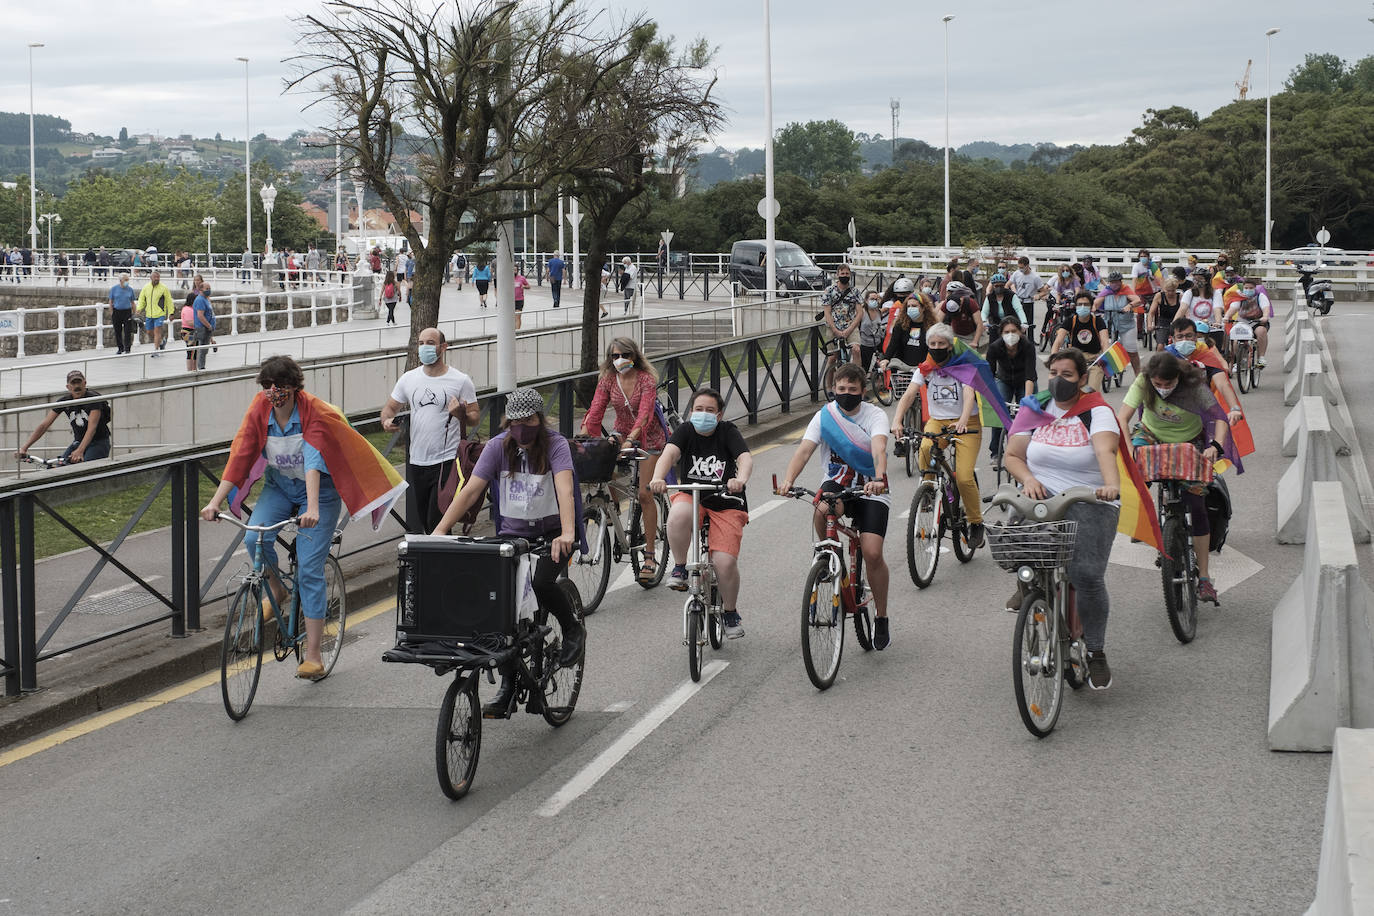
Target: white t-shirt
631, 272
1061, 455
1200, 308
1026, 285
873, 422
434, 435
945, 393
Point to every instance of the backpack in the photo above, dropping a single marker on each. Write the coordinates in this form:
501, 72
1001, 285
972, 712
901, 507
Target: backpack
455, 475
1218, 498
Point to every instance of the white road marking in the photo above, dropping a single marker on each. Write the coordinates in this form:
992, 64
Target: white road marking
1228, 568
624, 580
620, 707
760, 511
602, 764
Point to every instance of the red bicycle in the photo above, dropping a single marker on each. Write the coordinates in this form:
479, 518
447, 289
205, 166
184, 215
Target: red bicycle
832, 593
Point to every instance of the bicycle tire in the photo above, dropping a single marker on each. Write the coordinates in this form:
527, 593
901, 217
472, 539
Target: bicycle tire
715, 623
822, 620
560, 686
661, 536
882, 387
240, 654
458, 740
1180, 588
959, 533
923, 535
1255, 370
1037, 702
695, 612
1243, 367
863, 618
592, 573
335, 615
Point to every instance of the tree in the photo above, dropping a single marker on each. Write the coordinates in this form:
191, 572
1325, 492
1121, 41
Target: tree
123, 134
917, 151
1323, 73
816, 149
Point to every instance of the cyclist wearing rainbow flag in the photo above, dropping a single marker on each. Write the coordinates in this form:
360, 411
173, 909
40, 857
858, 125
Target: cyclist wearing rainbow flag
1117, 304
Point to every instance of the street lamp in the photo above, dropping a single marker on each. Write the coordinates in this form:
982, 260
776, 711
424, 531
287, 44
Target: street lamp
946, 20
1268, 139
247, 156
358, 195
768, 207
269, 200
50, 218
33, 179
209, 223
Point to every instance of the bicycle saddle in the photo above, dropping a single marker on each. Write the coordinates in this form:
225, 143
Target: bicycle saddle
1042, 510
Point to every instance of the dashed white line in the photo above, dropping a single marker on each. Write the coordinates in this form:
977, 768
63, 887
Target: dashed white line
760, 511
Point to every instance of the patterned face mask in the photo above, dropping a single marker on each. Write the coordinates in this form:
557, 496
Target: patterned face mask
277, 396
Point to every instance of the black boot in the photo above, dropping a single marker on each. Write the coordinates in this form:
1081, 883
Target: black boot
574, 639
499, 707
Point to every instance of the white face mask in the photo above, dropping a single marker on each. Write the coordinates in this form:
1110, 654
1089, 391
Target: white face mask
1011, 340
624, 365
1165, 392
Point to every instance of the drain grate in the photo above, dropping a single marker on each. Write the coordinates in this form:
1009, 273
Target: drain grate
117, 601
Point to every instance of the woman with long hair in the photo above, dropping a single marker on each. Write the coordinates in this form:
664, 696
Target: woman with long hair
629, 385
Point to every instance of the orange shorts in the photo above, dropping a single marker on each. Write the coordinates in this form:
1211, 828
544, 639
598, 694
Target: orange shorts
727, 525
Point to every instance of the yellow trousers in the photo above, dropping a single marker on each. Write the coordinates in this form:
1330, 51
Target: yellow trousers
965, 457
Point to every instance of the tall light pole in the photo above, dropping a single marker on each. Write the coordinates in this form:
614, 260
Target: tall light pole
358, 193
247, 157
946, 20
50, 218
269, 200
1268, 139
209, 223
33, 177
768, 207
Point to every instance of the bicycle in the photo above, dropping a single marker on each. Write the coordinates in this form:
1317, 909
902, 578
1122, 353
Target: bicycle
608, 541
1244, 355
936, 508
56, 461
1177, 562
1053, 317
903, 446
529, 654
998, 465
1047, 643
702, 614
240, 663
880, 381
831, 588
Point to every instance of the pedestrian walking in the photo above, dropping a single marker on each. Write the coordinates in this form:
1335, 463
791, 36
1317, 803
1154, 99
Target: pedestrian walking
629, 275
122, 314
391, 294
556, 267
155, 304
521, 284
481, 278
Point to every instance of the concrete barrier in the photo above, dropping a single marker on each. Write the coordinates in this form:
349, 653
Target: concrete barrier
1316, 461
1345, 875
1298, 318
1301, 344
1321, 674
1309, 380
1294, 428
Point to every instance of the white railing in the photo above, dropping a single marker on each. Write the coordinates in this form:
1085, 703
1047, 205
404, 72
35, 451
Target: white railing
80, 275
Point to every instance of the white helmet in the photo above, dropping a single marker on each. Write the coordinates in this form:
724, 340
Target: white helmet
957, 290
903, 286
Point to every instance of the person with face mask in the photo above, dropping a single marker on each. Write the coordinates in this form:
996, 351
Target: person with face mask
873, 325
1163, 306
629, 385
708, 449
1087, 333
1092, 280
1001, 303
1184, 345
1253, 305
1075, 445
1030, 288
316, 466
961, 312
1066, 283
906, 338
527, 469
1177, 406
1118, 306
1016, 369
442, 406
851, 437
840, 312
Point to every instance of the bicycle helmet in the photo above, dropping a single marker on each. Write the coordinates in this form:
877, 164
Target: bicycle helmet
903, 286
1201, 272
957, 290
999, 278
1202, 326
1114, 277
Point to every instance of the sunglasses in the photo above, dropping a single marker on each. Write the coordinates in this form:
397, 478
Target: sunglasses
615, 355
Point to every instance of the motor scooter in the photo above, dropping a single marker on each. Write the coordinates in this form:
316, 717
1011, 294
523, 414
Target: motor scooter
1316, 290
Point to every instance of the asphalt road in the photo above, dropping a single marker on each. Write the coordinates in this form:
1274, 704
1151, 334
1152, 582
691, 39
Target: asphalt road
909, 786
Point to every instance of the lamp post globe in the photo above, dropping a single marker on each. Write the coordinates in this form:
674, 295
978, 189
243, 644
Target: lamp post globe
269, 200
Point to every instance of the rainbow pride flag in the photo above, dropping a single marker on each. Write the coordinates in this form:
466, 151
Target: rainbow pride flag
971, 369
1114, 359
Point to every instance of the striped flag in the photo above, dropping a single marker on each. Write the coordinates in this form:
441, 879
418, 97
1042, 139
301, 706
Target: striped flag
1114, 359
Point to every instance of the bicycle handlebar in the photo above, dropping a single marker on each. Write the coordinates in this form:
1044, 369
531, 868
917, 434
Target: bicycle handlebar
699, 487
55, 462
226, 517
1043, 510
832, 496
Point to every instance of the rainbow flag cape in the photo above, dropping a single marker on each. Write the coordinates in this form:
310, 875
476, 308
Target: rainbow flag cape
1143, 285
1207, 355
1231, 297
366, 481
971, 369
1114, 359
1138, 518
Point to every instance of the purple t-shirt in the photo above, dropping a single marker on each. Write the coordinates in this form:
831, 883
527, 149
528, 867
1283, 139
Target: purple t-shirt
526, 505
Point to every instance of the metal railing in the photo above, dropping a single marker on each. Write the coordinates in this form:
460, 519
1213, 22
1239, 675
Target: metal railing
102, 278
757, 373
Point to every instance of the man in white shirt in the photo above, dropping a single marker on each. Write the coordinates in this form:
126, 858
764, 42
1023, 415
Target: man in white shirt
629, 275
442, 403
1029, 287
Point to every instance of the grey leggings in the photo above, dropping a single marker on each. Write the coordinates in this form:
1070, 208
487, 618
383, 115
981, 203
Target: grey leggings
1088, 568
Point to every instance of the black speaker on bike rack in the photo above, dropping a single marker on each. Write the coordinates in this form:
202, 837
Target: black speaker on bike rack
453, 588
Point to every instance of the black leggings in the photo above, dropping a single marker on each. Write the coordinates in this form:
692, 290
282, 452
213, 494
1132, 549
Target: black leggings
550, 594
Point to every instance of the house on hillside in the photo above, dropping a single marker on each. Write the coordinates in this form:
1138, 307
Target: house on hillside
318, 214
108, 152
183, 155
382, 221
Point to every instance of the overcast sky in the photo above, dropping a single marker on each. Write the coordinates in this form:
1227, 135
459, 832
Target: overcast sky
1019, 72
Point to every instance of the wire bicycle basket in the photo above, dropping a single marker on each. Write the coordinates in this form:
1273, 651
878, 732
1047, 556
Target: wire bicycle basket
1039, 545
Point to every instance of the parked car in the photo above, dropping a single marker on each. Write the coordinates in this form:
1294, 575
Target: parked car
796, 270
121, 257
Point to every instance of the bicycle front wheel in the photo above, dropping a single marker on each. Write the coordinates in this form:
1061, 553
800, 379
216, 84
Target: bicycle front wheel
660, 541
1243, 367
695, 612
923, 535
240, 657
591, 571
335, 614
459, 739
882, 387
715, 622
822, 624
1180, 585
1037, 670
560, 686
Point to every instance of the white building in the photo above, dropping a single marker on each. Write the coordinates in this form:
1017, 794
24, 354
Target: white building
108, 152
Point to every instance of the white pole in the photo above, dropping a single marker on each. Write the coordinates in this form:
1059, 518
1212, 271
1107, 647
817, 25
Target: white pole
1268, 139
338, 204
561, 249
209, 252
578, 274
534, 229
769, 204
504, 275
33, 178
247, 171
946, 22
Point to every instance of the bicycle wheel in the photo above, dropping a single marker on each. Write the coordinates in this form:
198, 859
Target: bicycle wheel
959, 533
591, 571
923, 535
1037, 670
335, 615
863, 618
240, 655
695, 612
560, 685
1180, 586
881, 383
822, 624
660, 541
1243, 367
458, 741
715, 623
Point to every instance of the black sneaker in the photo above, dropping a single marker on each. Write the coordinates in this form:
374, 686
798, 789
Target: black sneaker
1099, 675
975, 536
881, 638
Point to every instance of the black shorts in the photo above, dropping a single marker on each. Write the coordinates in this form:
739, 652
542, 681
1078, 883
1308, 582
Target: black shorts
868, 515
481, 286
519, 305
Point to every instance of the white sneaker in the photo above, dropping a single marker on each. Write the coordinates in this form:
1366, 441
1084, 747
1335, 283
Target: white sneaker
1261, 362
734, 629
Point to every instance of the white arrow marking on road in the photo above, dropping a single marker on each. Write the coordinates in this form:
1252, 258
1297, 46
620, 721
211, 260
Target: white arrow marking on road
591, 774
1228, 568
624, 580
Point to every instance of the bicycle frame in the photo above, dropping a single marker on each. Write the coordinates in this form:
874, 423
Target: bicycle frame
605, 498
831, 545
701, 573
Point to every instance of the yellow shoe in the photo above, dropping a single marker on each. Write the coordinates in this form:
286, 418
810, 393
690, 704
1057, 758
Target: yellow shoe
310, 671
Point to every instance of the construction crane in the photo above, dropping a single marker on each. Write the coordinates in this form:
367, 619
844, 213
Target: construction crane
1243, 87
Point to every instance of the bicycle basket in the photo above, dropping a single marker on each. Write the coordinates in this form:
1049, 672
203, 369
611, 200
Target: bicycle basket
594, 459
900, 382
1039, 545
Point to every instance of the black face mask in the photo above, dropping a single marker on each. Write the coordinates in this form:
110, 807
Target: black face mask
1063, 390
941, 356
849, 402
